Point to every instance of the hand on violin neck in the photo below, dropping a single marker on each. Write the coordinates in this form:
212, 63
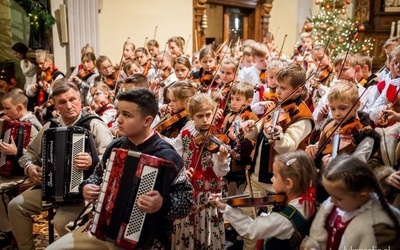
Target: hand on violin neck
223, 154
248, 126
272, 132
215, 201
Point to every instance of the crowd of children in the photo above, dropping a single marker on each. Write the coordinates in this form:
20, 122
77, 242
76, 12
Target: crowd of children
311, 142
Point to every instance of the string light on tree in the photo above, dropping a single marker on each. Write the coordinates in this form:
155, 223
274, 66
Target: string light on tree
331, 22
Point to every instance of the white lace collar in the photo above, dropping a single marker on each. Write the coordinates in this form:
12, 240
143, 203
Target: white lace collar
346, 216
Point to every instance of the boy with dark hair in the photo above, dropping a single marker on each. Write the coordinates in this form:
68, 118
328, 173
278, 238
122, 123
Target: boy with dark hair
136, 111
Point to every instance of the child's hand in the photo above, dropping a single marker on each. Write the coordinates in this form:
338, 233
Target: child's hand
189, 173
266, 104
214, 200
220, 114
248, 126
150, 202
75, 79
83, 161
223, 154
326, 159
393, 179
323, 112
9, 148
311, 150
90, 192
392, 115
231, 134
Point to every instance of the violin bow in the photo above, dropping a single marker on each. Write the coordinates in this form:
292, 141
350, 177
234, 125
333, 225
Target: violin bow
196, 46
187, 43
155, 32
145, 41
219, 65
327, 140
283, 43
120, 66
347, 53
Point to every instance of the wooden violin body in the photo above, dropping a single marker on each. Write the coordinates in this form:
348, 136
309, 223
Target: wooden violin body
347, 133
275, 199
169, 120
214, 140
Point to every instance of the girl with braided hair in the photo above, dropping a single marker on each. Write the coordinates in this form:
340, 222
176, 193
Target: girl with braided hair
356, 215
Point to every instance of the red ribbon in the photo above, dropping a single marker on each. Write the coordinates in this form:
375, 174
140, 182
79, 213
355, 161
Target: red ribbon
309, 197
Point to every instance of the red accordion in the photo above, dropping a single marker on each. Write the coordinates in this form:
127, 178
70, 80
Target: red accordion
128, 175
21, 134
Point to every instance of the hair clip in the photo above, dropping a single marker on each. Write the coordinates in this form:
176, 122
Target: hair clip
290, 161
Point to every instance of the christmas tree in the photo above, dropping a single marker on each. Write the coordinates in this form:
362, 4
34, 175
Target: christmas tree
332, 23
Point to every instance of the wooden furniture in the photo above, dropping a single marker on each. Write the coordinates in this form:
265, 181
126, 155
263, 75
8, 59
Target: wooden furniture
378, 27
255, 22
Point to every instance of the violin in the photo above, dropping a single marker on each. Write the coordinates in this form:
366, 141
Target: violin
169, 120
85, 74
97, 107
111, 80
346, 135
278, 200
214, 141
207, 78
322, 75
147, 68
270, 95
281, 115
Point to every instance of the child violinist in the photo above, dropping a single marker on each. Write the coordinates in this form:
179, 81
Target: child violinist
356, 137
367, 79
131, 67
345, 66
318, 85
204, 228
153, 47
267, 91
108, 74
101, 104
288, 134
143, 56
182, 68
176, 46
256, 74
247, 60
206, 74
195, 62
344, 100
129, 51
386, 110
164, 78
85, 77
85, 49
227, 74
294, 176
240, 99
356, 215
179, 95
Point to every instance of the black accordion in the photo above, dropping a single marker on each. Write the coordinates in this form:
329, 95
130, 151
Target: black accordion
60, 179
21, 134
128, 175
